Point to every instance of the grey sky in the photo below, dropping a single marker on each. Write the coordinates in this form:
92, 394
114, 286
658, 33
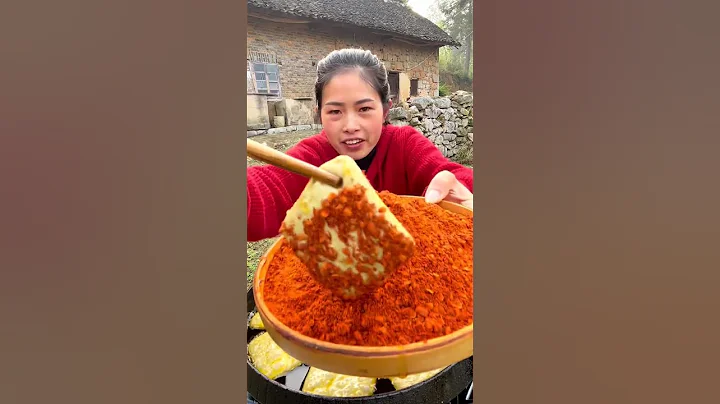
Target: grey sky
422, 7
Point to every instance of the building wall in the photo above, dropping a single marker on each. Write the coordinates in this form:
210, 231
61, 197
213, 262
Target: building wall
298, 47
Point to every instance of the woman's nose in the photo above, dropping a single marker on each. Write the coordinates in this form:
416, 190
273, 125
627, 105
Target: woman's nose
351, 123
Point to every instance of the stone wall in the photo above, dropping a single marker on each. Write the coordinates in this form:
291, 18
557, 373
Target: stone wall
298, 48
446, 121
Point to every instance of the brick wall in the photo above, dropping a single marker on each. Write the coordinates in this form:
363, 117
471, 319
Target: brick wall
298, 46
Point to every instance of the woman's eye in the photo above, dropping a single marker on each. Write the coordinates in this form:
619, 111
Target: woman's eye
334, 111
365, 109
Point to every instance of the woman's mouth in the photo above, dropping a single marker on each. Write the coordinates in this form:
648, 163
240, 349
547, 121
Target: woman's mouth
352, 143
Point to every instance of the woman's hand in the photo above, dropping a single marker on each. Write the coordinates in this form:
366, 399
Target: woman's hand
444, 186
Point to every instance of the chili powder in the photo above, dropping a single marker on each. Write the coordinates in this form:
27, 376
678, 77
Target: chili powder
376, 250
429, 296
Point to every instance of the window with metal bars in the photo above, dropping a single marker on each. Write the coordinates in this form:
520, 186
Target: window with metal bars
264, 78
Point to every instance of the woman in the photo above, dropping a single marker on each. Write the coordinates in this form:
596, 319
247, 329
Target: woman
353, 100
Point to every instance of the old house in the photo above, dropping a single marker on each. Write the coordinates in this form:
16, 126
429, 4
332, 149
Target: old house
286, 38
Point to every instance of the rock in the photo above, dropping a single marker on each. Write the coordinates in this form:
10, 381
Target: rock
251, 133
453, 144
464, 122
463, 97
454, 104
442, 102
462, 131
445, 142
399, 122
470, 136
433, 112
415, 121
443, 150
441, 118
438, 131
438, 140
278, 121
449, 136
421, 102
414, 111
428, 123
431, 138
450, 113
397, 114
470, 122
450, 126
273, 131
464, 111
304, 127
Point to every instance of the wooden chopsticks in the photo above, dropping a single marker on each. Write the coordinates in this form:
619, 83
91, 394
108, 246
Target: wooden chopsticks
271, 156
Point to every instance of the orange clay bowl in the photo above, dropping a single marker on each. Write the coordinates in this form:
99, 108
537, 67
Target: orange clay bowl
374, 361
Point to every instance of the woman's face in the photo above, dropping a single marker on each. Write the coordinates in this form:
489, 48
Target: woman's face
352, 114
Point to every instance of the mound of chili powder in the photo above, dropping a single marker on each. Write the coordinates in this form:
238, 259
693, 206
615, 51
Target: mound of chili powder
429, 296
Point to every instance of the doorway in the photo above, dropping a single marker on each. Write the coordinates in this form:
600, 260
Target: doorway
394, 80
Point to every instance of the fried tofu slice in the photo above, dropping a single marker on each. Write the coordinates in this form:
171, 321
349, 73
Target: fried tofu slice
330, 384
269, 359
347, 237
410, 380
256, 322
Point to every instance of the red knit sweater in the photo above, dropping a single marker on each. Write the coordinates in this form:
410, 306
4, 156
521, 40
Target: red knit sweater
404, 163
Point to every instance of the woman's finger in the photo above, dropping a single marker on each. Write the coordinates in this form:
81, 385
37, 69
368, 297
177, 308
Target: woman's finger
459, 192
440, 186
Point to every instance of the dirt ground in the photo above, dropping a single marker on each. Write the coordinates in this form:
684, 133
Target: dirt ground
280, 141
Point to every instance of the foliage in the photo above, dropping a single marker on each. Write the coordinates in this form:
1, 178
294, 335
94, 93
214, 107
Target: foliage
455, 17
464, 155
452, 73
443, 90
451, 61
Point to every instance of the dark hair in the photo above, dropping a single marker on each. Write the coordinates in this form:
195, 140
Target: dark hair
371, 70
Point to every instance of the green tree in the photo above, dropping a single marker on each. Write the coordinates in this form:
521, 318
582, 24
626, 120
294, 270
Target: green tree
456, 18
